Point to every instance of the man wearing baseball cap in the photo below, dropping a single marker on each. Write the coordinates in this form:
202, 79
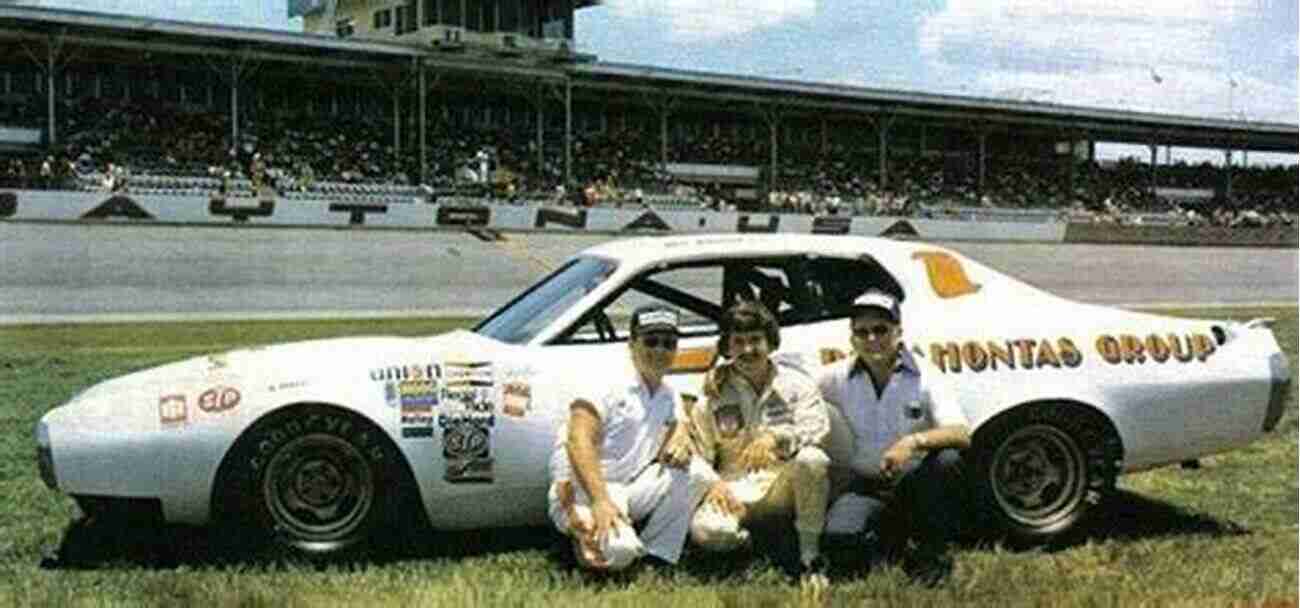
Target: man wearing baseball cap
613, 465
899, 472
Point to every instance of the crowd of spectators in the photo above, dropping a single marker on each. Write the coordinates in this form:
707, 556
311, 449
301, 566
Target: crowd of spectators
301, 152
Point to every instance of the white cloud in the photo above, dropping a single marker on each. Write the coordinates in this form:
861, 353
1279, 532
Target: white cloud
1103, 53
704, 20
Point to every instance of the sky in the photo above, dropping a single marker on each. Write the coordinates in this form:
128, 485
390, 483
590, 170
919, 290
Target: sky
1207, 58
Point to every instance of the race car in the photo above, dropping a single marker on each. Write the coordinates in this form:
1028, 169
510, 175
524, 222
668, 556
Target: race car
322, 446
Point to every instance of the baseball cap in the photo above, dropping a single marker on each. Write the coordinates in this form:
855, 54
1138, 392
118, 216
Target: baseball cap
874, 298
654, 318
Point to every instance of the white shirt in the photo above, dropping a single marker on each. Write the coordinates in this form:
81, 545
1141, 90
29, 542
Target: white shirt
910, 402
633, 425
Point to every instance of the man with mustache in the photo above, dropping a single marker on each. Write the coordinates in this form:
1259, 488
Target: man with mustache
895, 447
613, 465
762, 428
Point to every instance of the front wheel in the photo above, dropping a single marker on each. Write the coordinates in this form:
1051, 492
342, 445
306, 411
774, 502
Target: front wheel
313, 479
1041, 471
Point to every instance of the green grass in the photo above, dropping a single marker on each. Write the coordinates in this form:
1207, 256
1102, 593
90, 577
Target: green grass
1222, 535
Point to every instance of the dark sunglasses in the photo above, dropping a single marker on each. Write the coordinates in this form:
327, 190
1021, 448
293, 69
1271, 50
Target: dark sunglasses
878, 331
664, 342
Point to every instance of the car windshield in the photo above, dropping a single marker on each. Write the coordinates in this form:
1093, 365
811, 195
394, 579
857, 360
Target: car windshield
518, 321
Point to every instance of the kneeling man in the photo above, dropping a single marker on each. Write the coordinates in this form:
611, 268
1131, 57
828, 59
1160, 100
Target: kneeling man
762, 428
900, 468
612, 466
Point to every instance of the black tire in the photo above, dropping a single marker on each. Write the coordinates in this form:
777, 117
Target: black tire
1040, 470
312, 480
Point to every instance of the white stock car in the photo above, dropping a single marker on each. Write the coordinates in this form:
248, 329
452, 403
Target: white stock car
317, 446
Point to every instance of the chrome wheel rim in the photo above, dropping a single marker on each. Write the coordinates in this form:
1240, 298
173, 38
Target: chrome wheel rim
318, 490
1039, 476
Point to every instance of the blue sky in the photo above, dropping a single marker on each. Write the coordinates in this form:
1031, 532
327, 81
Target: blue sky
1210, 58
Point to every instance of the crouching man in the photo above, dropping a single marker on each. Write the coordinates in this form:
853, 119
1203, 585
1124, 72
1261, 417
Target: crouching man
897, 437
762, 428
613, 468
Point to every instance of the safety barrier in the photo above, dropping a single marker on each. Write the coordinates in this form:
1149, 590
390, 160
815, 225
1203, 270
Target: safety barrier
470, 213
1209, 236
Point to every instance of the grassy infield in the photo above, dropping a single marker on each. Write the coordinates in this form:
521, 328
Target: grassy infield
1223, 535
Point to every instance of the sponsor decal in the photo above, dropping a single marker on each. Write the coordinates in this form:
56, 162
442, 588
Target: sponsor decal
218, 399
728, 419
415, 401
172, 410
467, 448
901, 228
517, 398
576, 218
286, 386
914, 410
117, 206
1132, 349
463, 216
744, 224
947, 276
357, 213
461, 374
831, 225
1028, 354
647, 221
994, 355
240, 213
406, 372
8, 204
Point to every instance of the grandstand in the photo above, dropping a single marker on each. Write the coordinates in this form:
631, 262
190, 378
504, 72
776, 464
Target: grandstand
377, 99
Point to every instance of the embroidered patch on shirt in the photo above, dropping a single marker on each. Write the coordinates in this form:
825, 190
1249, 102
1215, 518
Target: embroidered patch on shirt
728, 419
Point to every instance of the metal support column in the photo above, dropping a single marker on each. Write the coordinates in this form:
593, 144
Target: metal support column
397, 121
1154, 148
49, 91
883, 124
234, 105
568, 131
423, 122
1227, 173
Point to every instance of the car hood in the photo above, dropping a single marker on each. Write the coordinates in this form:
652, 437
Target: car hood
134, 401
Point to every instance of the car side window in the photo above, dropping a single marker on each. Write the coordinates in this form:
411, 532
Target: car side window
833, 284
695, 290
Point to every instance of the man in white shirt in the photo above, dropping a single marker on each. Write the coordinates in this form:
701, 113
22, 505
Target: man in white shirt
762, 428
896, 439
612, 465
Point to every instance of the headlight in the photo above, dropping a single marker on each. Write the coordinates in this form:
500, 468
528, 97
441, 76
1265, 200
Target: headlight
45, 456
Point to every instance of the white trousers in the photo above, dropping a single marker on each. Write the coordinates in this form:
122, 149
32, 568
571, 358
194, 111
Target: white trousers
664, 498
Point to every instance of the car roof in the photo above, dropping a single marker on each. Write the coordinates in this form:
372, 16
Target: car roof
647, 250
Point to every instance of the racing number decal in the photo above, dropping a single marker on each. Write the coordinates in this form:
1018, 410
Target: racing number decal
947, 277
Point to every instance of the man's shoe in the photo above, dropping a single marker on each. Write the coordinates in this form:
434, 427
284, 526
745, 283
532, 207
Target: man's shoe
813, 577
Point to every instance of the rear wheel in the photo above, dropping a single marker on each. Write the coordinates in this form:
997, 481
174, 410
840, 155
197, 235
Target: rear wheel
314, 480
1040, 471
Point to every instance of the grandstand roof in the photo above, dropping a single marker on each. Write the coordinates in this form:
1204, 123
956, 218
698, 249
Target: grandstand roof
144, 34
1109, 125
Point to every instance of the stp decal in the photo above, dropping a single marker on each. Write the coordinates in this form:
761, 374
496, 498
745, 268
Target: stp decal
467, 448
218, 399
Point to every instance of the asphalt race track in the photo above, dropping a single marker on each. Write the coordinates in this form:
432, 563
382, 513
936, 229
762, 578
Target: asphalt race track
65, 272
